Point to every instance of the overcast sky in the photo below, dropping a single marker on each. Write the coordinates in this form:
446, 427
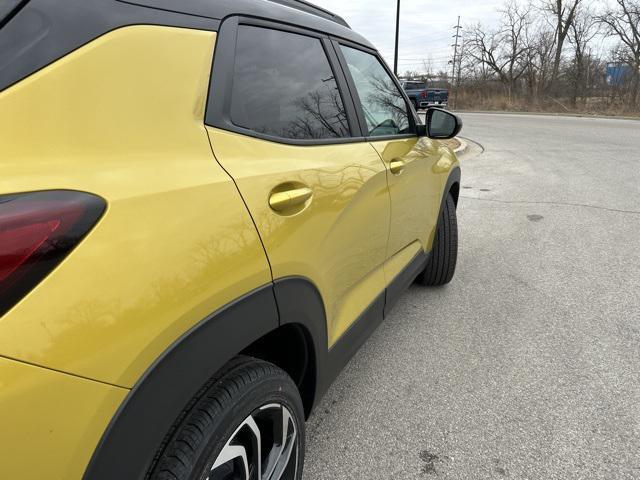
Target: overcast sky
426, 28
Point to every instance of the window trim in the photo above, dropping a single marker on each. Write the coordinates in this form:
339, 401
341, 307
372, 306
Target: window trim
413, 119
218, 112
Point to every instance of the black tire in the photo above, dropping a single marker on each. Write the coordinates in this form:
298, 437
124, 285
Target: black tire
246, 386
444, 255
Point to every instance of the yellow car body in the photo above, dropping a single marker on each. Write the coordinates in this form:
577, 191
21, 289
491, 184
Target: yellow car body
188, 230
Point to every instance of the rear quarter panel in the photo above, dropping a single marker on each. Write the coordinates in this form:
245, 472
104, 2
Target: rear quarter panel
122, 117
51, 422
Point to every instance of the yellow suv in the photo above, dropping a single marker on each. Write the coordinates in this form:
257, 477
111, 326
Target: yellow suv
205, 208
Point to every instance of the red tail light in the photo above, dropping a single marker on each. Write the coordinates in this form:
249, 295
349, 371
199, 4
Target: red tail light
37, 231
423, 94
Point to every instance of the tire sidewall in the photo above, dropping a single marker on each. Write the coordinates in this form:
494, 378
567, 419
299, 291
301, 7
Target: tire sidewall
261, 393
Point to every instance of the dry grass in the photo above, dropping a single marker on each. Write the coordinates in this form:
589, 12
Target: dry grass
589, 106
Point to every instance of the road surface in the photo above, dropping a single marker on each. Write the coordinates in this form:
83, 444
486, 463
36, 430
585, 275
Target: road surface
528, 365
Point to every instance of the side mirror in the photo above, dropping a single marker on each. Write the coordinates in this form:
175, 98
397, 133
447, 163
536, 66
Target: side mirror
442, 125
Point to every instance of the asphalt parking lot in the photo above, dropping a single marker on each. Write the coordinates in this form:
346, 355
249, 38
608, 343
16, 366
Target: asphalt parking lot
528, 365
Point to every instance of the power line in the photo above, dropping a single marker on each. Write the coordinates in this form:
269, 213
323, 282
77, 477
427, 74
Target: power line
427, 51
445, 58
429, 37
429, 56
439, 61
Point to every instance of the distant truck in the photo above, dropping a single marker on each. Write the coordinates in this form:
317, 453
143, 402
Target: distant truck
423, 97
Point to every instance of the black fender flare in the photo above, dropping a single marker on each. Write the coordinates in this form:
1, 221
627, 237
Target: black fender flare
455, 177
150, 410
300, 303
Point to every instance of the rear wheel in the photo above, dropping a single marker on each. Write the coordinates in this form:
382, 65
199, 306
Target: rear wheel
249, 424
444, 254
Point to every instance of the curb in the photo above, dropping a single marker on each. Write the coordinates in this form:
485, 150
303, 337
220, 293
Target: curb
549, 114
464, 146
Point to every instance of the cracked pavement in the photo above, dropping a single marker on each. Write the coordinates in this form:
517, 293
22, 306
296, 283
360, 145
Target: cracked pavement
528, 365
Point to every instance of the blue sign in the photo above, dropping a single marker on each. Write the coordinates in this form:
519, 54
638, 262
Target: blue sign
618, 74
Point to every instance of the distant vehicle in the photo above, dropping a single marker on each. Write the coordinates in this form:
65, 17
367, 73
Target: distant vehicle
423, 97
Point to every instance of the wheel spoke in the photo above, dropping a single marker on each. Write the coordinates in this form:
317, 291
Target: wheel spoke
287, 444
286, 421
277, 424
245, 447
230, 453
257, 457
284, 459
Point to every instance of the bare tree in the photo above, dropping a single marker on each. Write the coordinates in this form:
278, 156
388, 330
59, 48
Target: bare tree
584, 30
480, 54
623, 21
564, 14
540, 40
427, 66
549, 54
412, 74
502, 51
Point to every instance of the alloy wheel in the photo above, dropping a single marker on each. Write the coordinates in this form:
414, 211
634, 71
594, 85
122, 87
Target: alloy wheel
263, 447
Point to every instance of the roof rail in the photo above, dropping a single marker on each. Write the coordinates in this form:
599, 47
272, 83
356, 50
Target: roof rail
305, 6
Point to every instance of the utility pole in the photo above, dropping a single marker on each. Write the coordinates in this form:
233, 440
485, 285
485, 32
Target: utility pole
455, 97
454, 62
395, 58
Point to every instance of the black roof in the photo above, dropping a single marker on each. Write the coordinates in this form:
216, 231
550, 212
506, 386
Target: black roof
313, 9
294, 12
42, 31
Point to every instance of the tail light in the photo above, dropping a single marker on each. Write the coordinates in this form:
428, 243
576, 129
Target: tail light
37, 231
423, 94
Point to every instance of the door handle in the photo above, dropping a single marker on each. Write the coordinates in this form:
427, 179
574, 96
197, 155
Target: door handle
282, 201
396, 166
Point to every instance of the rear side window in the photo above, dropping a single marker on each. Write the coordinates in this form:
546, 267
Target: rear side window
283, 86
384, 107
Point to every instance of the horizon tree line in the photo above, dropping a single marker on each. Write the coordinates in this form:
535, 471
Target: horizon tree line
551, 54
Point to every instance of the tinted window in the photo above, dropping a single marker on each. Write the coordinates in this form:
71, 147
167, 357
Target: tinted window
283, 86
384, 107
414, 86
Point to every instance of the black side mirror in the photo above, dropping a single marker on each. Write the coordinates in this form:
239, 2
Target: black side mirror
441, 125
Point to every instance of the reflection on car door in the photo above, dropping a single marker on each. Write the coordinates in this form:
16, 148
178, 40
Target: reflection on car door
319, 199
390, 129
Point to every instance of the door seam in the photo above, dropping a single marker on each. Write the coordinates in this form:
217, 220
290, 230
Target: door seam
255, 225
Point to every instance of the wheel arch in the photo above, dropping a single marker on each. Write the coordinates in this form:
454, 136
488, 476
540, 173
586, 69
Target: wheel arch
454, 190
452, 187
290, 348
283, 323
